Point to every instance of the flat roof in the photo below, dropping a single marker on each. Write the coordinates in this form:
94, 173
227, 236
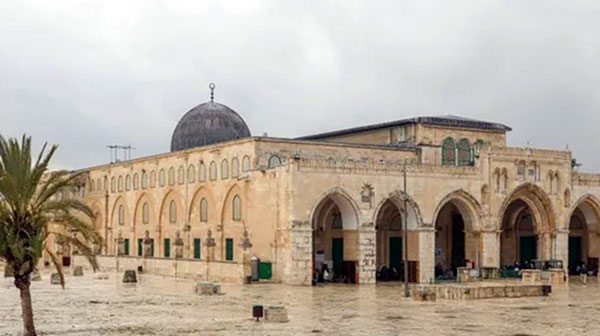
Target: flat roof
446, 121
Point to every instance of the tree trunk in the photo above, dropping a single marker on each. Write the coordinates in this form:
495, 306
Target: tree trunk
23, 284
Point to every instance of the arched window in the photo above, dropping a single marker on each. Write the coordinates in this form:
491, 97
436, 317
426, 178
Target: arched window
274, 161
91, 184
224, 169
557, 183
161, 178
144, 180
203, 210
98, 185
235, 167
152, 179
465, 157
191, 174
521, 169
172, 212
504, 180
449, 152
136, 181
497, 176
477, 146
112, 184
246, 164
237, 208
128, 182
121, 215
181, 175
202, 173
213, 171
336, 222
145, 213
120, 183
171, 176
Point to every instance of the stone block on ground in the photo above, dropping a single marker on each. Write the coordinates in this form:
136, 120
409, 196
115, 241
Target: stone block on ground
129, 276
464, 274
35, 275
276, 314
424, 295
531, 276
55, 279
558, 276
101, 276
78, 271
208, 288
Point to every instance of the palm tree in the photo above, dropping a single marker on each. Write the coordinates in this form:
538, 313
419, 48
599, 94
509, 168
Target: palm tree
35, 206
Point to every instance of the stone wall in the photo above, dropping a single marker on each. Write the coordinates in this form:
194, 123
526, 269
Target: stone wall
201, 270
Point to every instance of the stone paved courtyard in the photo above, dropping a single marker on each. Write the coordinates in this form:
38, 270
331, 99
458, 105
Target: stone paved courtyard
168, 306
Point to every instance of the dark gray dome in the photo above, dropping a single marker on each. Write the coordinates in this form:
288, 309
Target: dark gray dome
206, 124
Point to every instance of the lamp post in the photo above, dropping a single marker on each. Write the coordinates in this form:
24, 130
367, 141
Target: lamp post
405, 234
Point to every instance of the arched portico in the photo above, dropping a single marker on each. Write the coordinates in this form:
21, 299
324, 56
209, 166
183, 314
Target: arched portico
583, 233
456, 222
335, 247
528, 222
389, 226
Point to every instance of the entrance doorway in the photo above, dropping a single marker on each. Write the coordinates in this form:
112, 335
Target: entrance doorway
450, 241
335, 241
519, 240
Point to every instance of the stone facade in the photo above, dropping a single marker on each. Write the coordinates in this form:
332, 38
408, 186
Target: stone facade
297, 198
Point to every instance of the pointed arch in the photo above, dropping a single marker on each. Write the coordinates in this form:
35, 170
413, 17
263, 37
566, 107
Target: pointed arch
415, 219
194, 212
467, 204
138, 212
120, 201
171, 195
227, 206
349, 209
590, 206
538, 201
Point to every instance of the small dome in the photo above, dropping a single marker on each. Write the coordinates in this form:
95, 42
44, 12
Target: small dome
207, 124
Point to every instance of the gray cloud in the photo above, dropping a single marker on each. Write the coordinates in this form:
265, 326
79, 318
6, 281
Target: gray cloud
88, 74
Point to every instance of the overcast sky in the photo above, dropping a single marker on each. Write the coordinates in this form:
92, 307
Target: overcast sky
85, 74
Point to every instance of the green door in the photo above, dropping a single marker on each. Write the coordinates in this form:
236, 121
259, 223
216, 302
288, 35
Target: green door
337, 255
527, 249
126, 246
458, 242
574, 252
196, 248
167, 248
264, 270
396, 253
229, 249
140, 247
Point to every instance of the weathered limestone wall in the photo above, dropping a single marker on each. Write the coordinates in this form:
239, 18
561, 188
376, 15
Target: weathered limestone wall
193, 269
429, 134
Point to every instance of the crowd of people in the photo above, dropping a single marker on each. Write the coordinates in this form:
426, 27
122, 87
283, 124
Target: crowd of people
385, 273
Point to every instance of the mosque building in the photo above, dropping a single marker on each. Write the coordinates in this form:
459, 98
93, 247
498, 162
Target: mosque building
223, 198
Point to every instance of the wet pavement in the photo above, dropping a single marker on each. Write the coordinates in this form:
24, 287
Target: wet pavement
167, 306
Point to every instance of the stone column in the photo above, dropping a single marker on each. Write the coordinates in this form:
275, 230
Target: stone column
426, 254
490, 249
561, 247
367, 238
300, 270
